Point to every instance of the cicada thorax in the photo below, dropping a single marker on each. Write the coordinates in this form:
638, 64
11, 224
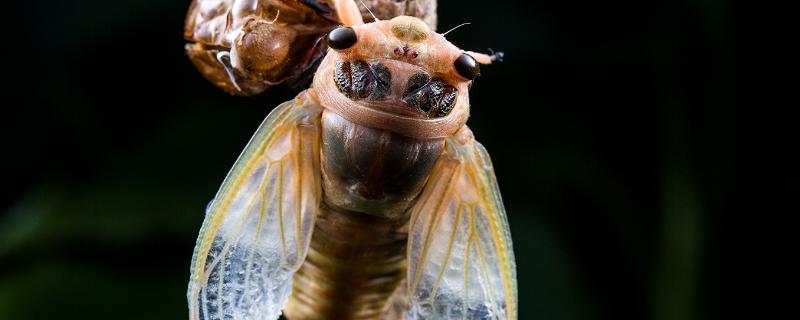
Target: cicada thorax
391, 96
356, 258
247, 46
373, 171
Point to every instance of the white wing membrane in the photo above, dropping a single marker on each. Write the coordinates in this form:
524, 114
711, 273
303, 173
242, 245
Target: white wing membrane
460, 260
256, 231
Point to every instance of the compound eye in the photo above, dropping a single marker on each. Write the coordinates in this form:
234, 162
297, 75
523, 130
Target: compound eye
467, 67
342, 38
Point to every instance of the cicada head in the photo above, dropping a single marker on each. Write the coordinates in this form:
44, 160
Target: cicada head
399, 66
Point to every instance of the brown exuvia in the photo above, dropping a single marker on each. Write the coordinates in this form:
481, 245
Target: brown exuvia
247, 46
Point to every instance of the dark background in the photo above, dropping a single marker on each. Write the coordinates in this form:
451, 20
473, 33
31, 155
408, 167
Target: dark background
641, 148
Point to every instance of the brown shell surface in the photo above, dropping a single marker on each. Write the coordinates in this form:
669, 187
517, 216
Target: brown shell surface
294, 29
388, 9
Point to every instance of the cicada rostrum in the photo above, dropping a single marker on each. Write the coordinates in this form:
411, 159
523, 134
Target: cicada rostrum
365, 197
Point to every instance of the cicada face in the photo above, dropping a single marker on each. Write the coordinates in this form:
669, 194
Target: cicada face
414, 77
247, 46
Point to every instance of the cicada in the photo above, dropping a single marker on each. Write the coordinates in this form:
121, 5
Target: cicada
246, 46
365, 197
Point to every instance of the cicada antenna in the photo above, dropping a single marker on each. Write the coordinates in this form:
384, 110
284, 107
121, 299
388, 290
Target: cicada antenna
483, 58
497, 56
456, 27
370, 11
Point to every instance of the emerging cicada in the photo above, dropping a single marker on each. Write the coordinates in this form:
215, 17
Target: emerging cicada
246, 46
366, 197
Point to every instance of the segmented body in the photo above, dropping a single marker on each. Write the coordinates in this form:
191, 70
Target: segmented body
356, 259
354, 264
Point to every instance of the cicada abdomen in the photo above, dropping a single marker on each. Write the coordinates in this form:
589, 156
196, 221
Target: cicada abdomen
247, 46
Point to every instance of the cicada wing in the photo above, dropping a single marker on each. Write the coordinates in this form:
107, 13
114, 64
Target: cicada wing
257, 230
460, 259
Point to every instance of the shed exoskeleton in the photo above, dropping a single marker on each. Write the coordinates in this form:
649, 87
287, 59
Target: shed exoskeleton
247, 46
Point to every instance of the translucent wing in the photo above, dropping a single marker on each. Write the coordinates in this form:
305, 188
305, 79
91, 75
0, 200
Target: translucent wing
256, 231
460, 260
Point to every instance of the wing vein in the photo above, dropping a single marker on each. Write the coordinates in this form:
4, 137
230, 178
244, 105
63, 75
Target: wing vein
280, 208
238, 266
434, 223
492, 217
241, 176
238, 227
449, 250
224, 252
248, 259
219, 284
467, 264
484, 270
298, 199
261, 214
204, 301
